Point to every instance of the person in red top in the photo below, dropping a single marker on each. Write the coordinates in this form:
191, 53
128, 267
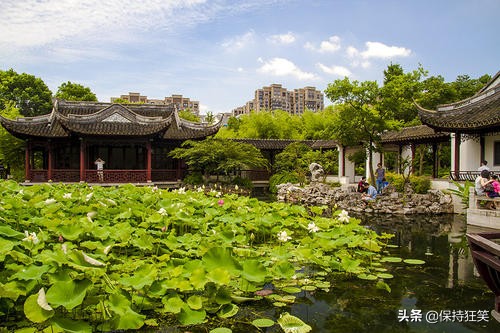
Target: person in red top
361, 185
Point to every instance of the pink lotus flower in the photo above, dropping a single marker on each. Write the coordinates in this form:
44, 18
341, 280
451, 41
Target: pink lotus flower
220, 202
61, 239
164, 228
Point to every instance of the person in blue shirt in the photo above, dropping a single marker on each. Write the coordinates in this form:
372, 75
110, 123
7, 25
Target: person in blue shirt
371, 192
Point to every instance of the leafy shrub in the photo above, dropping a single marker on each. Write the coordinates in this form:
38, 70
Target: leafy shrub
282, 178
419, 184
242, 182
193, 178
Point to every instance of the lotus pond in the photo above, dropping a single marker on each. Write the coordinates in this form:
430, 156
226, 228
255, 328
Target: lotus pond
82, 259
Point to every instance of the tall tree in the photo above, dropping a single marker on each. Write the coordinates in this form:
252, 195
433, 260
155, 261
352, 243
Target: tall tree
11, 148
360, 119
70, 91
30, 94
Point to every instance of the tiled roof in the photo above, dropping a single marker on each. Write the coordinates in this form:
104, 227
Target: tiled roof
478, 113
106, 119
417, 134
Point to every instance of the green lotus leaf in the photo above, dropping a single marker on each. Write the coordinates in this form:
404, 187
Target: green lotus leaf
220, 276
391, 259
35, 312
144, 242
228, 310
26, 330
279, 304
385, 275
292, 324
68, 293
414, 261
126, 318
382, 285
173, 304
32, 272
221, 330
191, 317
71, 231
11, 290
9, 232
254, 270
365, 276
291, 290
283, 269
143, 276
195, 302
198, 278
263, 322
223, 296
219, 257
72, 326
6, 245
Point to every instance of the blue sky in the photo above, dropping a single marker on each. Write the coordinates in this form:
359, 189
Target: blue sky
219, 52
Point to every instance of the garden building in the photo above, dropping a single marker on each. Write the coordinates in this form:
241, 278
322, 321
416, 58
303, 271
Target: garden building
133, 140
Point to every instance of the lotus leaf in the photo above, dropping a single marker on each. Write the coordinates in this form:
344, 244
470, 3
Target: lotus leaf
414, 261
254, 270
7, 231
391, 259
32, 272
72, 326
35, 312
195, 302
126, 318
191, 317
228, 310
221, 330
68, 293
219, 257
292, 324
143, 276
263, 322
172, 304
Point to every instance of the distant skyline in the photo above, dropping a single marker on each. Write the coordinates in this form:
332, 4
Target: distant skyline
219, 52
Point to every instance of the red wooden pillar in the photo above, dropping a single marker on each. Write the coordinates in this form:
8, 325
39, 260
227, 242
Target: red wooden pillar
27, 166
49, 167
82, 160
148, 167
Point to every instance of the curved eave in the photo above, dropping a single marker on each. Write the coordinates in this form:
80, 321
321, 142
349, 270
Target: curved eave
115, 128
34, 127
414, 134
183, 129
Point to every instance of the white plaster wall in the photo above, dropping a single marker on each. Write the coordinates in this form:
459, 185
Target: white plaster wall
489, 144
406, 154
470, 155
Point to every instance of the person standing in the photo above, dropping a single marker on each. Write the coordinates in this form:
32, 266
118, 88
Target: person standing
484, 166
100, 169
380, 172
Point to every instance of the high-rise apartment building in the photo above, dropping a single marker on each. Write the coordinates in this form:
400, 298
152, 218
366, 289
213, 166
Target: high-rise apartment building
180, 102
275, 97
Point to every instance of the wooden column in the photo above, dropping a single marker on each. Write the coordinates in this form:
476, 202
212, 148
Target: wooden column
27, 165
457, 155
49, 162
343, 161
82, 160
148, 167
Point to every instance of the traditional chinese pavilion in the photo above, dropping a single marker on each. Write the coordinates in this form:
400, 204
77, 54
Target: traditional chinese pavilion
475, 127
133, 139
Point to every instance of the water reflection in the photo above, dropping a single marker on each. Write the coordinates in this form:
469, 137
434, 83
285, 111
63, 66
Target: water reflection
447, 282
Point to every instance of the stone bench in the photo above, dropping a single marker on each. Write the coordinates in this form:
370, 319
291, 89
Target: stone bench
474, 199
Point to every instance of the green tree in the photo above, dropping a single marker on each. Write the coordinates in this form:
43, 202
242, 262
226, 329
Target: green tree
30, 94
11, 148
189, 116
210, 118
360, 119
70, 91
215, 156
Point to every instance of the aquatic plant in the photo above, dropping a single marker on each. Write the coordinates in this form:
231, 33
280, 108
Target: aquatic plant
82, 258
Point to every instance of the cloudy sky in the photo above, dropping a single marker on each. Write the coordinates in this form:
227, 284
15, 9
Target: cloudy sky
218, 51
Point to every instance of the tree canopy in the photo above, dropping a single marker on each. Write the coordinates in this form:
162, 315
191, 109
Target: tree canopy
70, 91
30, 94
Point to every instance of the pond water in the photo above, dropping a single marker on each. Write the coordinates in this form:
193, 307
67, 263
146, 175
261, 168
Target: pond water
447, 283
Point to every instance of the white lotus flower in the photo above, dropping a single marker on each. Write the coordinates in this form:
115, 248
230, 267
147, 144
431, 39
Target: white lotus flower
42, 300
89, 196
154, 188
64, 248
162, 211
236, 187
283, 236
90, 215
343, 216
67, 196
181, 190
312, 227
50, 201
30, 237
107, 248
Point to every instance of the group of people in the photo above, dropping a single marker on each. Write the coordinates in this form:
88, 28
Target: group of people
487, 184
369, 191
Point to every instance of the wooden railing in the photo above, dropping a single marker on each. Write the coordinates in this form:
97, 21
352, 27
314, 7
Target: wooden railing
461, 176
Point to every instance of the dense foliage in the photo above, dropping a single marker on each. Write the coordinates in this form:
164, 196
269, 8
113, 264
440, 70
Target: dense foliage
79, 258
30, 94
419, 184
70, 91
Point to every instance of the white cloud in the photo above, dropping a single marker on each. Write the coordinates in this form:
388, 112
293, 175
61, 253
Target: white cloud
239, 42
335, 70
284, 67
378, 50
327, 46
287, 38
